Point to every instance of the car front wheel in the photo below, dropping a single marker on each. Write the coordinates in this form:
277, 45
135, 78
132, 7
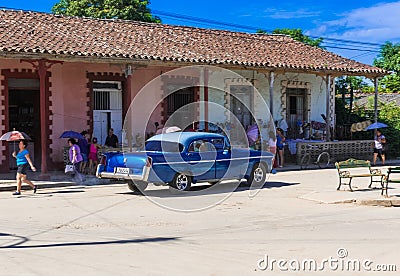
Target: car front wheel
137, 186
258, 175
182, 182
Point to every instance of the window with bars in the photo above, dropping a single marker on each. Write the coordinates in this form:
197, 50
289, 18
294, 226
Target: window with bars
101, 100
107, 95
180, 99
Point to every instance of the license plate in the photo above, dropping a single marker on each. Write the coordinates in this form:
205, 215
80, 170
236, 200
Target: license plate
122, 170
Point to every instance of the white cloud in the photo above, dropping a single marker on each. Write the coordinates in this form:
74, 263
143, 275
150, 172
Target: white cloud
285, 14
378, 23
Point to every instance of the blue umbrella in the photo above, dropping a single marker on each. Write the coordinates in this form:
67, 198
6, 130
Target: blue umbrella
376, 125
71, 134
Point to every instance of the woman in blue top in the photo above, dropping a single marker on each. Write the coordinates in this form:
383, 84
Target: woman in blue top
280, 138
23, 160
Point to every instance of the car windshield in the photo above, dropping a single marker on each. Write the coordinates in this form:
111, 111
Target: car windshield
163, 146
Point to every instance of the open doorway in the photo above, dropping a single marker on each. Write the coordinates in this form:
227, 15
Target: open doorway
107, 109
241, 105
24, 115
296, 111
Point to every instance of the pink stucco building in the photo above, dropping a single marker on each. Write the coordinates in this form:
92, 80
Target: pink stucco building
64, 73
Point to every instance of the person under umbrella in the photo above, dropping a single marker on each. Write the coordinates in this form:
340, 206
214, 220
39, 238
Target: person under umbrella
13, 136
75, 158
379, 147
23, 160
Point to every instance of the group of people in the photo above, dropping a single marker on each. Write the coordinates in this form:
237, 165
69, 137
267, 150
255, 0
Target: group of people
83, 154
380, 147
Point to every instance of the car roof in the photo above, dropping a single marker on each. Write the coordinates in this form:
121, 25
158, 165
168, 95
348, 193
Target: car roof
184, 137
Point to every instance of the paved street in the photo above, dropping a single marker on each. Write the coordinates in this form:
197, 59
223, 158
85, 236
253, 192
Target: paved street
106, 229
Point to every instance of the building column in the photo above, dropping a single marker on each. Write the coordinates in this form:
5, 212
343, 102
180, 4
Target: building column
376, 100
128, 98
42, 66
328, 113
271, 92
205, 85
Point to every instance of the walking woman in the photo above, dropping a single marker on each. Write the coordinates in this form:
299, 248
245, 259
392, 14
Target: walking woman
75, 157
23, 161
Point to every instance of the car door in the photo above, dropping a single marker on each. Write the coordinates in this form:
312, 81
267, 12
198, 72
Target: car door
229, 165
201, 156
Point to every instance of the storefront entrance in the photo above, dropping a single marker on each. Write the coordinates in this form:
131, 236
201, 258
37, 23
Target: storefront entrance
24, 115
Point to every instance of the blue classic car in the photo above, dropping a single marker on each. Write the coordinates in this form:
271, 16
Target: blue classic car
181, 159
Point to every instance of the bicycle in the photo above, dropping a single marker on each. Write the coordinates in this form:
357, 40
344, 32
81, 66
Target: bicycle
323, 157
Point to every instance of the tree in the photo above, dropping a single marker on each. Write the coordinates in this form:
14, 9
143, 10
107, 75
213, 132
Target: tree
297, 34
349, 84
112, 9
389, 59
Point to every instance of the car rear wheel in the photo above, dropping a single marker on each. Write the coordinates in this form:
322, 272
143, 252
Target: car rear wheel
258, 175
182, 182
137, 186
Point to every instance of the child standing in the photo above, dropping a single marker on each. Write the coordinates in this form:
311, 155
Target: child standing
93, 159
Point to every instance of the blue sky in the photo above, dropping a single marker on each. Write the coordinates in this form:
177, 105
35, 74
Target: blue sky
361, 21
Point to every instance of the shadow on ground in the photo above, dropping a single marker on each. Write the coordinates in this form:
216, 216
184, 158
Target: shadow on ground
208, 189
18, 242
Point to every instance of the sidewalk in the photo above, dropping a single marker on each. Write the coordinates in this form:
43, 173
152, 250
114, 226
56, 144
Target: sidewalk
57, 179
324, 192
328, 194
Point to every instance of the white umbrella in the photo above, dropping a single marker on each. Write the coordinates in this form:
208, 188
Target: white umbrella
168, 129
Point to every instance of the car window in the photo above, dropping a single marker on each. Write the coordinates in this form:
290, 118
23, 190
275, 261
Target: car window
163, 146
218, 143
200, 146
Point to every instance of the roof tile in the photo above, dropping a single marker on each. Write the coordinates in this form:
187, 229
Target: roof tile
24, 32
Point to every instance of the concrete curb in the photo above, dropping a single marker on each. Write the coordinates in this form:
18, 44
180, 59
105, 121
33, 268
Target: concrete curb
380, 202
329, 198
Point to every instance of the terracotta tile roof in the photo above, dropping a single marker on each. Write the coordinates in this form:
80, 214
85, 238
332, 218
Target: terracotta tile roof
24, 32
362, 99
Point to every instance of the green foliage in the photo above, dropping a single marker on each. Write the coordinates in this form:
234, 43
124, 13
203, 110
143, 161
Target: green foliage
389, 59
297, 34
391, 83
388, 113
345, 83
111, 9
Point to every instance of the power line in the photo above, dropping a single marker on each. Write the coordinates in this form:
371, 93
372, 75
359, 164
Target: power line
353, 49
327, 42
209, 22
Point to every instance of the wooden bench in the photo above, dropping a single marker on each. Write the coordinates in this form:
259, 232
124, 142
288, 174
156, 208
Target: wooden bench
344, 171
388, 179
